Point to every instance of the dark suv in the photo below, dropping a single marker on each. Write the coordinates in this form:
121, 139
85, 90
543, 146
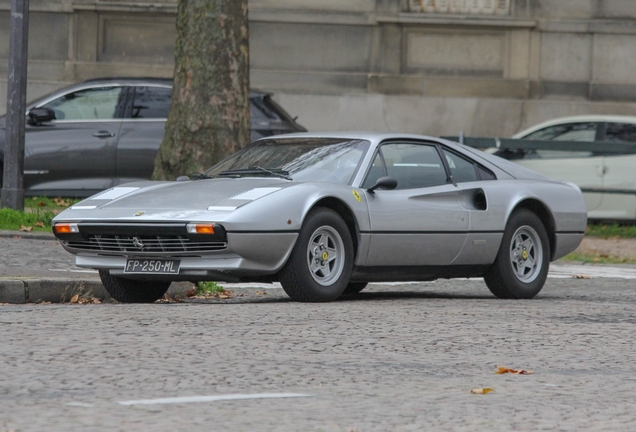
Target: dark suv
100, 133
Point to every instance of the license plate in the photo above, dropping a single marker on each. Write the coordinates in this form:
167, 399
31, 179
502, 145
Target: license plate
152, 266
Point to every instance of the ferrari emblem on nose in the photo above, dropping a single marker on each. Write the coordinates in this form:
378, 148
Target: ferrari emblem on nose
138, 243
139, 213
356, 195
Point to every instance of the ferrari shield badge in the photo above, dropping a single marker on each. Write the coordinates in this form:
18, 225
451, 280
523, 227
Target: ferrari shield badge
356, 195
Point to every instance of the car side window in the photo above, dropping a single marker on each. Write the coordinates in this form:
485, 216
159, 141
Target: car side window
150, 102
585, 132
621, 132
461, 169
89, 104
412, 165
256, 114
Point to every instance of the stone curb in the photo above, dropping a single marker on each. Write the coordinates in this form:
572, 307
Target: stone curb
27, 235
19, 290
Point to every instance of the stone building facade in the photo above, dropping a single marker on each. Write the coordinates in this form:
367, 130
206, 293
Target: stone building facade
482, 67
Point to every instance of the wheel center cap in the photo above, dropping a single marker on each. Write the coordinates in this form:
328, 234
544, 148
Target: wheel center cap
325, 256
524, 255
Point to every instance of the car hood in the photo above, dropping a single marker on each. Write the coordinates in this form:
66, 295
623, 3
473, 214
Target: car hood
212, 194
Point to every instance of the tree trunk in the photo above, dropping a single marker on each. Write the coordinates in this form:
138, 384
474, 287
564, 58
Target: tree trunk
209, 117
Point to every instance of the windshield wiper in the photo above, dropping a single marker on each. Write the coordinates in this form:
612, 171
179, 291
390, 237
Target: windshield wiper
257, 170
200, 176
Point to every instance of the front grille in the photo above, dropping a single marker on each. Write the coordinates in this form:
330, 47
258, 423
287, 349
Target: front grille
144, 244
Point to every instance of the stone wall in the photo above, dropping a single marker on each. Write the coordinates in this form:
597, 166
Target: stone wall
484, 67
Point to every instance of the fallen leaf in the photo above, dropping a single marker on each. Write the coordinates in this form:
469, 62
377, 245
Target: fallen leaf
580, 276
41, 204
191, 292
26, 228
75, 299
260, 293
62, 202
484, 390
40, 224
504, 370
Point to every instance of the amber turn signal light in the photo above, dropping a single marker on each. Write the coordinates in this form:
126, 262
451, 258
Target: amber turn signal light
65, 228
200, 228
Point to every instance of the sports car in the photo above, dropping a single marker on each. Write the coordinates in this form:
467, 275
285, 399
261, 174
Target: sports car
325, 214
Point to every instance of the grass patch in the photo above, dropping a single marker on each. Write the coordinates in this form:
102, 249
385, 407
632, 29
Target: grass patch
208, 288
37, 214
597, 259
611, 231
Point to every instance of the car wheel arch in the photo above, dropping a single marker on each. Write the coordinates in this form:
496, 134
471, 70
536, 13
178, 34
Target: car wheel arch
544, 214
345, 213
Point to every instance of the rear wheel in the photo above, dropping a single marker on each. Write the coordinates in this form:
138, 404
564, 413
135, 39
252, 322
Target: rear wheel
521, 267
320, 264
133, 291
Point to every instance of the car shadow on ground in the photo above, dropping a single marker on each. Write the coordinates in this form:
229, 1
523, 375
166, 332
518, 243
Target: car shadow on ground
277, 296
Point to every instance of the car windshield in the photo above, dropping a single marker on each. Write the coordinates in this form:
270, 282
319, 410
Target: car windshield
300, 159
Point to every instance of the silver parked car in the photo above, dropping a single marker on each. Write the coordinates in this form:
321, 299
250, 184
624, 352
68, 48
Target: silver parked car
607, 179
103, 132
326, 214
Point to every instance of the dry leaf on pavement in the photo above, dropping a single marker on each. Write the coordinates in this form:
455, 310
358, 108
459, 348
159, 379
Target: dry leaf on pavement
484, 390
260, 293
75, 299
580, 276
504, 370
26, 228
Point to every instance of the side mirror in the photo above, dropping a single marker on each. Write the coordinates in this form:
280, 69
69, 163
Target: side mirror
385, 183
40, 115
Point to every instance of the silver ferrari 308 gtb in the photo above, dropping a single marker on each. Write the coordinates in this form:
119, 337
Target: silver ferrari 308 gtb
325, 214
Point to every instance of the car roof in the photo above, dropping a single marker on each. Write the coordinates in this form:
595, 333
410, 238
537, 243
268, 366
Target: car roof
375, 137
151, 80
595, 118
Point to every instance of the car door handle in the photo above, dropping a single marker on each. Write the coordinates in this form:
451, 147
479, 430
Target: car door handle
103, 134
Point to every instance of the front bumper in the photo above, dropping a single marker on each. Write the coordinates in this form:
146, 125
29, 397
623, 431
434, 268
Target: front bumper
248, 255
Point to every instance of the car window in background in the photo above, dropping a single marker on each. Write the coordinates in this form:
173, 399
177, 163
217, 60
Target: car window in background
620, 132
461, 169
88, 104
271, 110
566, 132
151, 102
413, 165
256, 114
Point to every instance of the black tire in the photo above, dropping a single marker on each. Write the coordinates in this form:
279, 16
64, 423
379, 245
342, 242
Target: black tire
320, 264
355, 287
133, 291
521, 267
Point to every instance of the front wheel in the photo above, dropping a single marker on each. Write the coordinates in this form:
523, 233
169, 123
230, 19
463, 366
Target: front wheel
355, 287
320, 264
133, 291
521, 267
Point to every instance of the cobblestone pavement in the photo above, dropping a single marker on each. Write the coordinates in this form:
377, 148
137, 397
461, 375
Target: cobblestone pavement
38, 258
394, 358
